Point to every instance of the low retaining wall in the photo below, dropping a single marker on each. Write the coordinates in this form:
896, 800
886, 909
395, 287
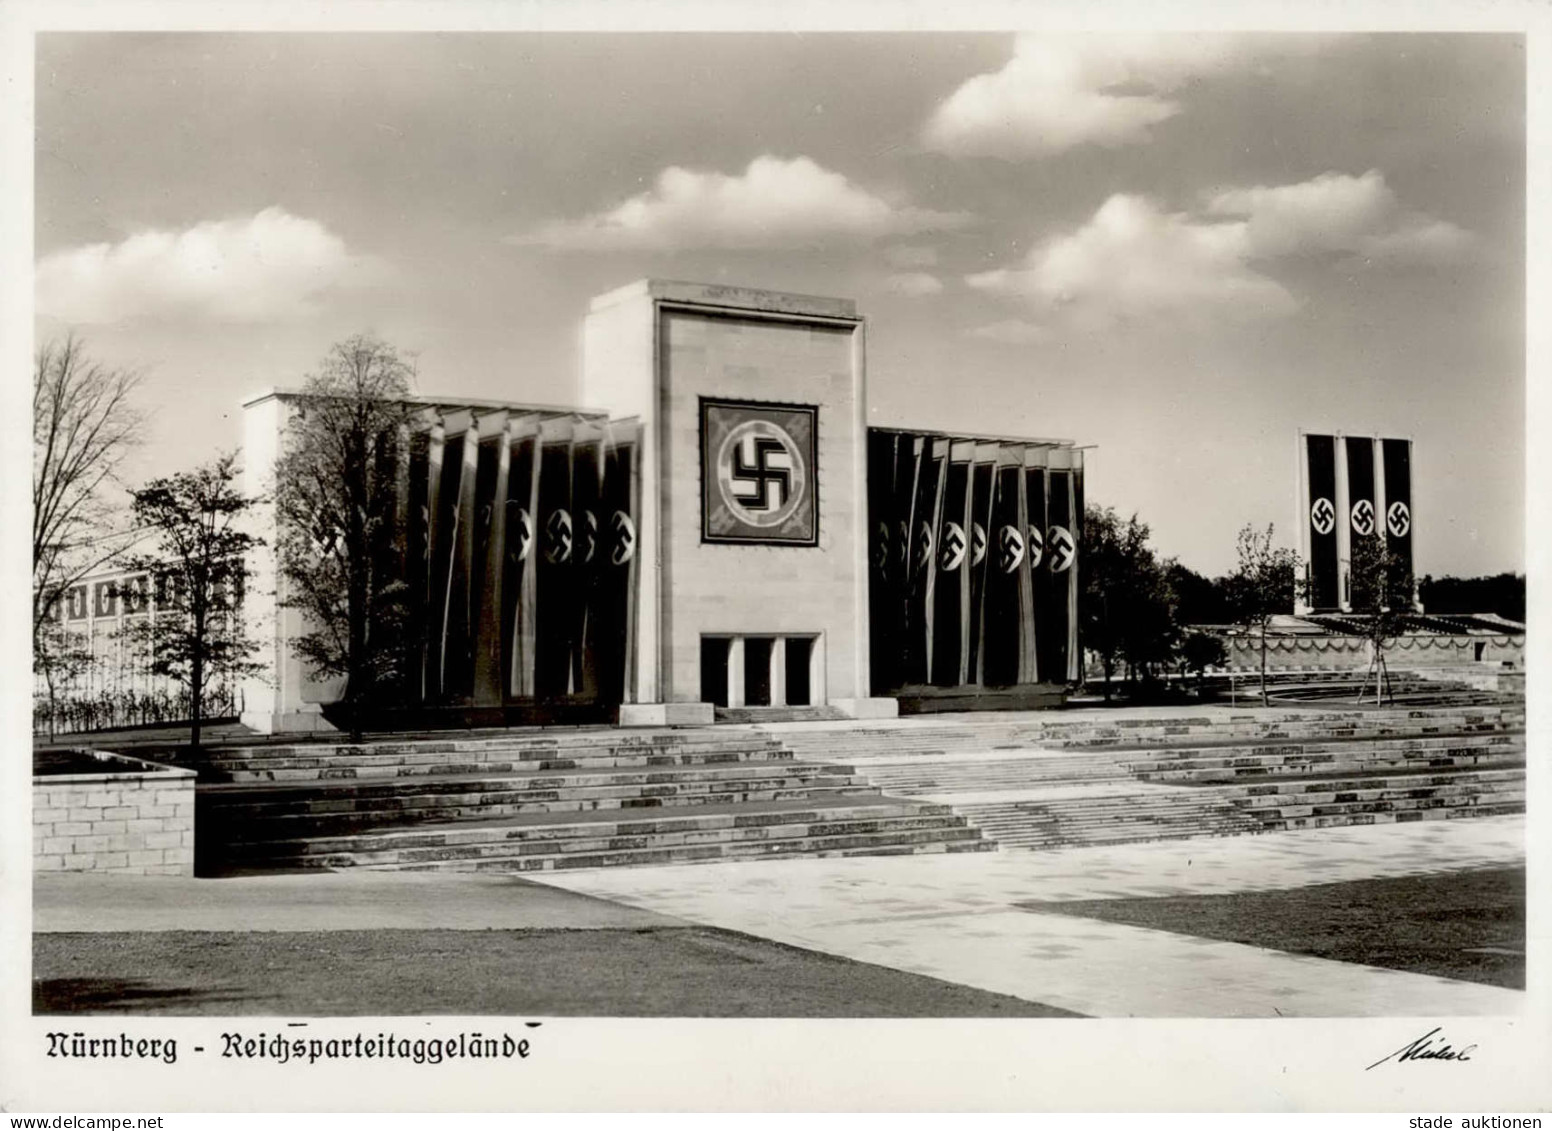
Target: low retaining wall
1339, 652
135, 817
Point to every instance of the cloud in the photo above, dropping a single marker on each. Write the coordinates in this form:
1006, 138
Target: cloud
1133, 261
774, 203
1012, 331
915, 284
1338, 212
1058, 92
266, 267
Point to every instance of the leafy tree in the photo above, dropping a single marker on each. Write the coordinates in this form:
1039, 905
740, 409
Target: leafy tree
1502, 593
336, 490
1201, 600
201, 565
1382, 595
1128, 602
1202, 650
1262, 585
84, 422
59, 657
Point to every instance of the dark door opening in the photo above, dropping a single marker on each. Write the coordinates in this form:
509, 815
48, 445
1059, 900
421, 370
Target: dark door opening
714, 670
800, 650
757, 671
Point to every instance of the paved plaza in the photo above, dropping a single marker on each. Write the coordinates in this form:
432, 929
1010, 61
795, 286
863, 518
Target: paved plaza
953, 917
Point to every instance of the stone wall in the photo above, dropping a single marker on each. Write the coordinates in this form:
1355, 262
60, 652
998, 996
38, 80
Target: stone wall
136, 818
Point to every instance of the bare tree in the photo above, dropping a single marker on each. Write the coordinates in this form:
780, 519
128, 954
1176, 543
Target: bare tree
336, 490
84, 422
1382, 595
1262, 585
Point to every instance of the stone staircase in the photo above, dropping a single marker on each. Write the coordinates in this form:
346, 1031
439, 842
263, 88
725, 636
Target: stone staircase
1092, 781
545, 800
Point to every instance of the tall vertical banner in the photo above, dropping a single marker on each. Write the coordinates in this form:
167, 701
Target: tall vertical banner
1061, 551
1074, 578
1007, 574
953, 561
555, 609
981, 530
610, 615
520, 587
431, 607
1360, 487
586, 490
1320, 452
1031, 511
495, 470
909, 459
458, 613
882, 619
1396, 462
1038, 630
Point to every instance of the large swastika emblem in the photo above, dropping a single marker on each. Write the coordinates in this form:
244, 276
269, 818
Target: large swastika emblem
1398, 519
977, 543
1036, 546
557, 537
1363, 517
1010, 549
622, 532
951, 547
1063, 549
923, 545
1322, 516
523, 534
760, 473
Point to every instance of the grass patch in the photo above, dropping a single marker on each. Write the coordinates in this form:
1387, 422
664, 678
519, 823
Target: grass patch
1464, 925
644, 972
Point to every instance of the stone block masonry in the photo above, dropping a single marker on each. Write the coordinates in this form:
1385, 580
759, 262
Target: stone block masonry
135, 818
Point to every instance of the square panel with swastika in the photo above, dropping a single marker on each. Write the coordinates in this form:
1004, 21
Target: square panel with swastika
759, 477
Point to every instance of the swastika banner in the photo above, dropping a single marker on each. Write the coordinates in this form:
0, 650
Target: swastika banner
1396, 461
1320, 454
758, 473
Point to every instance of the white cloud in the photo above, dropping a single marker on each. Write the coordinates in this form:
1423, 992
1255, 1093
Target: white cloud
774, 203
1058, 92
1012, 331
915, 284
269, 266
1134, 261
1338, 212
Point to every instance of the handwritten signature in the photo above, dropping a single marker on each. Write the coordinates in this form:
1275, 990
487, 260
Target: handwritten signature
1423, 1048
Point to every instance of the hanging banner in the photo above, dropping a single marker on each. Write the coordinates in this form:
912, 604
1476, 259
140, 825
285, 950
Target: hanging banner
1320, 454
1074, 577
883, 572
924, 550
1360, 487
1007, 574
981, 555
953, 561
1397, 470
1037, 636
1061, 550
586, 491
555, 608
520, 584
495, 466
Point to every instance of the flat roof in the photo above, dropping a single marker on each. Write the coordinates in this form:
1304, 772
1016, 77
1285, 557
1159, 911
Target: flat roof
729, 298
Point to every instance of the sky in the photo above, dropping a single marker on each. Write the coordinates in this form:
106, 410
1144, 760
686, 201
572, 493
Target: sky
1176, 249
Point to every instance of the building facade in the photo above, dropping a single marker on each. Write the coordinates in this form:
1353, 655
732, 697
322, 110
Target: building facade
719, 527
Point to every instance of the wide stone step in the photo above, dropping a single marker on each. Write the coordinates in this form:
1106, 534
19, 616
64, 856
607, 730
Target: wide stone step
292, 825
332, 793
884, 844
949, 826
492, 762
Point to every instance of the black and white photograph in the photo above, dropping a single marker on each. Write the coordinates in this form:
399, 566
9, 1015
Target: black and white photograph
582, 561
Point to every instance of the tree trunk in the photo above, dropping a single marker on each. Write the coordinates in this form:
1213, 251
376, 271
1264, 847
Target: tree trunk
1265, 702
